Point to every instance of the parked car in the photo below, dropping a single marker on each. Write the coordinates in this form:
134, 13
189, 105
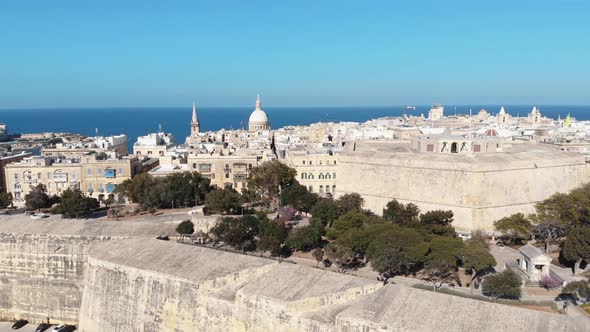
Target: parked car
42, 327
68, 328
19, 323
58, 327
39, 215
464, 235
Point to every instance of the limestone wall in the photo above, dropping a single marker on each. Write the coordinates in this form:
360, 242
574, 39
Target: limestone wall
42, 263
479, 191
41, 275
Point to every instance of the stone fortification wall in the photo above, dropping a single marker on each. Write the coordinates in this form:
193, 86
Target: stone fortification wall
166, 286
479, 189
42, 263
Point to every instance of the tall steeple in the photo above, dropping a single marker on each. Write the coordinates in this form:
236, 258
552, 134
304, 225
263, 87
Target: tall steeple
258, 103
195, 126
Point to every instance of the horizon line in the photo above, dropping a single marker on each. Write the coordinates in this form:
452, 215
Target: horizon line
279, 106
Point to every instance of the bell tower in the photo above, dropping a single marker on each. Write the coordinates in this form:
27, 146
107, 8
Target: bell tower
195, 126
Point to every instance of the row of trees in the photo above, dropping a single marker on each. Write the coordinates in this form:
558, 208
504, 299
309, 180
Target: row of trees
71, 204
562, 218
184, 189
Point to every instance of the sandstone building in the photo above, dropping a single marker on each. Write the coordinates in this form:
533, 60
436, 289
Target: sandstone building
480, 185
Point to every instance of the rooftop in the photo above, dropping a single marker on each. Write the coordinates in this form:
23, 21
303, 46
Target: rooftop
515, 155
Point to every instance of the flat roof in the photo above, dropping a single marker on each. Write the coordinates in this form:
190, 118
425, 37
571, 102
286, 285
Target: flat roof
175, 259
515, 155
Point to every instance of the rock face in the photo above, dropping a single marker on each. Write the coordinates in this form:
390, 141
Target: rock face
42, 263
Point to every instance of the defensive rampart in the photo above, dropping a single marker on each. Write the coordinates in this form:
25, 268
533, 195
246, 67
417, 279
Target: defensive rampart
42, 263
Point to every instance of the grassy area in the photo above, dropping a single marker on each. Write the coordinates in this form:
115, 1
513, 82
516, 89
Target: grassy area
586, 308
549, 304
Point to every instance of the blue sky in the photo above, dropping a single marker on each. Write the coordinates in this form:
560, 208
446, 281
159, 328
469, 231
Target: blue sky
294, 53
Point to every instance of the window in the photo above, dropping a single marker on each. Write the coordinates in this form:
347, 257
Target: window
321, 176
303, 162
89, 171
304, 176
327, 189
320, 162
38, 176
310, 162
15, 177
321, 189
149, 152
99, 171
227, 175
328, 176
334, 162
161, 153
334, 188
334, 175
310, 176
430, 148
120, 171
194, 165
110, 173
310, 189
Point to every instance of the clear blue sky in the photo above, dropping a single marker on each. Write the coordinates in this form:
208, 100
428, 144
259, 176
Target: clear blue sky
294, 53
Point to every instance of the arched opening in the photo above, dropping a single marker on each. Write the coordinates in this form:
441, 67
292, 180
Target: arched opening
454, 147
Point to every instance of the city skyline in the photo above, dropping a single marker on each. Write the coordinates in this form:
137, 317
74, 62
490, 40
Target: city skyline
67, 54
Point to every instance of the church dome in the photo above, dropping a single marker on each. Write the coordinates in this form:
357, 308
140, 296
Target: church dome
258, 116
258, 119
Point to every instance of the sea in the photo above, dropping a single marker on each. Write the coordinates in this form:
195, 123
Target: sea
139, 121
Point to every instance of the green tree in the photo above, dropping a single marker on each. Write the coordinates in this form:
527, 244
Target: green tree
74, 204
400, 238
185, 228
579, 290
506, 285
350, 202
437, 222
37, 198
576, 247
271, 235
516, 227
268, 176
135, 188
318, 254
224, 201
325, 212
391, 262
351, 220
305, 238
236, 232
343, 256
437, 272
549, 231
299, 197
445, 249
401, 214
476, 258
5, 200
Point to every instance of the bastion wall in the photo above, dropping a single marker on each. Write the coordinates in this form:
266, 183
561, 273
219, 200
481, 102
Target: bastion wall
42, 263
109, 276
479, 189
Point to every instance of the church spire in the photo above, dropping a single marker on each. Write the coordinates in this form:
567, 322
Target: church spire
195, 119
258, 102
